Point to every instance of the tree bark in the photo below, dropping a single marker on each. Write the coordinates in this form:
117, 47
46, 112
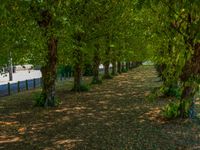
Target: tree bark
119, 70
114, 66
77, 78
107, 64
106, 70
127, 66
49, 74
96, 64
10, 67
78, 70
123, 67
192, 67
10, 72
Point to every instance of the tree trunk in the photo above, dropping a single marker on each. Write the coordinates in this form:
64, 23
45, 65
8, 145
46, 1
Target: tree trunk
123, 67
192, 67
127, 66
10, 67
78, 70
96, 64
10, 72
77, 77
106, 70
186, 97
114, 68
107, 64
49, 74
119, 70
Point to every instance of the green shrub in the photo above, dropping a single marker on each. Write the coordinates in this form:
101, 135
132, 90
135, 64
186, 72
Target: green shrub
124, 70
96, 81
173, 91
88, 70
40, 100
186, 104
82, 88
155, 94
107, 77
152, 97
172, 110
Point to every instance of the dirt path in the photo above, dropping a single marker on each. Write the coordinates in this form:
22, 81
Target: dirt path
112, 116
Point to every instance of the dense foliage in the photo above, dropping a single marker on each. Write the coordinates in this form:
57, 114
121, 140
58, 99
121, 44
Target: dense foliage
79, 33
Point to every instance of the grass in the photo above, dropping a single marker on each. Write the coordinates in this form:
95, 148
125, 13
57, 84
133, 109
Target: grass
112, 116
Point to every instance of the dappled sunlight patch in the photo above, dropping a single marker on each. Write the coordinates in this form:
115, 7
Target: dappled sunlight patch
196, 147
40, 126
69, 111
147, 93
79, 108
107, 117
103, 102
61, 110
8, 117
125, 82
9, 139
63, 119
119, 94
17, 115
135, 107
22, 130
67, 143
134, 92
142, 120
90, 114
108, 95
9, 123
197, 101
154, 115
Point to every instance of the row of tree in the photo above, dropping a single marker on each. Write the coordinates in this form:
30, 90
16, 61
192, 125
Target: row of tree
70, 32
175, 26
79, 32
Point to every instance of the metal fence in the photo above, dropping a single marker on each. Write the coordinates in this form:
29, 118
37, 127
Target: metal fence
10, 88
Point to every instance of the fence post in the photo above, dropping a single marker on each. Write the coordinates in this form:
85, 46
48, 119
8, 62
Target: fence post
18, 86
65, 76
26, 84
41, 82
9, 92
34, 83
72, 73
68, 75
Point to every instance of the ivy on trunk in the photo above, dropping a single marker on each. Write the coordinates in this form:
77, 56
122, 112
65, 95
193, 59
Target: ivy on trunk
49, 74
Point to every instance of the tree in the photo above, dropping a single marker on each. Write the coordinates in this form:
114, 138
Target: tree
39, 24
12, 42
49, 17
178, 33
